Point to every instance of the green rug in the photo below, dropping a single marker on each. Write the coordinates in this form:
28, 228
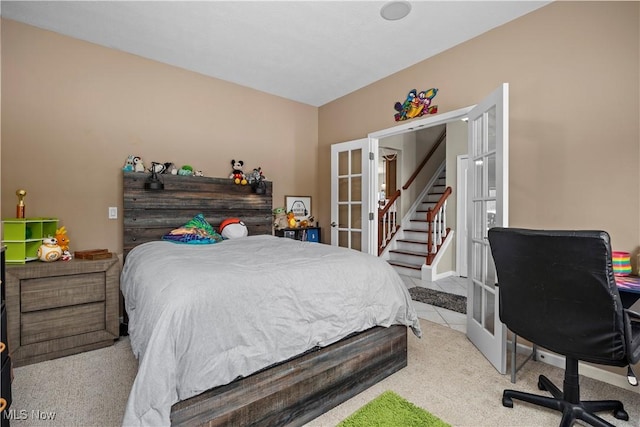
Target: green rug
391, 410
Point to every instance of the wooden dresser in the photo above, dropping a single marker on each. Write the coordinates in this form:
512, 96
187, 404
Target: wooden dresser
5, 385
61, 308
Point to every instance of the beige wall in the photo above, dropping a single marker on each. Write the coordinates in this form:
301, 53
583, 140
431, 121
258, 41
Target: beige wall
72, 111
573, 71
456, 145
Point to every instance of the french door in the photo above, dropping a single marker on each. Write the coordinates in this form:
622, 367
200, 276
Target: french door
487, 206
352, 186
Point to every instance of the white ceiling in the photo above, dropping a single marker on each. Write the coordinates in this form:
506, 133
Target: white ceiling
307, 51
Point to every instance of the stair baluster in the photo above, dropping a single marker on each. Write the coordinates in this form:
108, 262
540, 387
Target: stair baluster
437, 226
387, 221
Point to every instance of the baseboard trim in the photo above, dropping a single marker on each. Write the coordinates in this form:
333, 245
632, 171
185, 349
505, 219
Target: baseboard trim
584, 369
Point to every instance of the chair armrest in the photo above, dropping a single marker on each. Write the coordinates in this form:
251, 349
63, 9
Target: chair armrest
632, 314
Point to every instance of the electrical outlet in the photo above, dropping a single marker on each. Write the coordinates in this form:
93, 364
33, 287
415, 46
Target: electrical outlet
113, 212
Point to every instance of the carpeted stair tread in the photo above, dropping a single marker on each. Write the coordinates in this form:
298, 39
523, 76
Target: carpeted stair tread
405, 264
408, 252
412, 241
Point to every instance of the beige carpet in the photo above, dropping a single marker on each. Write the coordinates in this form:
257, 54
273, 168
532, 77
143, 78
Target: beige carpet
446, 375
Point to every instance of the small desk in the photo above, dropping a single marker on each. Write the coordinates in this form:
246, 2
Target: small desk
629, 289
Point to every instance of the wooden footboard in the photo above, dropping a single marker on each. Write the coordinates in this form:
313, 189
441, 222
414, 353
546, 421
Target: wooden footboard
301, 389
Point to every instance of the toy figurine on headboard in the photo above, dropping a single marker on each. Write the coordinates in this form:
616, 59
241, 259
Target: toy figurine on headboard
237, 174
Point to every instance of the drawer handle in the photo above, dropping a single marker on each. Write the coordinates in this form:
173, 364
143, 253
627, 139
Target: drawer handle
2, 346
3, 404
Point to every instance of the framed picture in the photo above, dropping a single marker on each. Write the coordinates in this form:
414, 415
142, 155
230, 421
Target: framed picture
300, 205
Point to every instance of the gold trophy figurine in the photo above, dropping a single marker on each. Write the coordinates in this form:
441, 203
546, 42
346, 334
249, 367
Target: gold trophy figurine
20, 207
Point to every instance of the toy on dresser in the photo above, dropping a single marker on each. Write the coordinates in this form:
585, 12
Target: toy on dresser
49, 250
63, 241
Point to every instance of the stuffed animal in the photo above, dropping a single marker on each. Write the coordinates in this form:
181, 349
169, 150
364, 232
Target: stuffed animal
308, 222
291, 220
158, 167
49, 250
186, 170
170, 168
138, 165
128, 164
233, 228
279, 218
61, 237
237, 174
256, 179
63, 241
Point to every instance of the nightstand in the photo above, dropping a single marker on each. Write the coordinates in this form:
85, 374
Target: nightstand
306, 234
61, 308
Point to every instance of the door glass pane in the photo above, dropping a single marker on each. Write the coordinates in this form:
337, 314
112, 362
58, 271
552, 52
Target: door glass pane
477, 266
343, 216
356, 240
356, 189
478, 220
343, 189
491, 128
343, 163
478, 171
491, 270
491, 215
490, 312
491, 175
356, 161
343, 239
477, 129
477, 303
356, 216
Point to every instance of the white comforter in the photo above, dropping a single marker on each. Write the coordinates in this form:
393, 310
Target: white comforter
200, 316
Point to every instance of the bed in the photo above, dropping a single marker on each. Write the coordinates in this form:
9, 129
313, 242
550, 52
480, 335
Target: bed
252, 331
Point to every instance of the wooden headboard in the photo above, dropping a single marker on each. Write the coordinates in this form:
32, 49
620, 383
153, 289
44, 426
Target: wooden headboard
149, 214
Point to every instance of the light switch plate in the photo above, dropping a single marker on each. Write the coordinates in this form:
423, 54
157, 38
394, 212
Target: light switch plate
113, 212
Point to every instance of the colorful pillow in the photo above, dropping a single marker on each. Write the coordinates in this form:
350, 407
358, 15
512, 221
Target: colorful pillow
195, 232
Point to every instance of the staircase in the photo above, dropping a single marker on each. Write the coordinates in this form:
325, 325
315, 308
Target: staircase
408, 252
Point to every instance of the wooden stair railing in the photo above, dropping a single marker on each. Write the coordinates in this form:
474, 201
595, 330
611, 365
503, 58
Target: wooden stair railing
437, 223
387, 220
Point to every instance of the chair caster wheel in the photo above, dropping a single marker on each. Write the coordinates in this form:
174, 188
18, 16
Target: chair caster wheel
541, 386
621, 414
507, 402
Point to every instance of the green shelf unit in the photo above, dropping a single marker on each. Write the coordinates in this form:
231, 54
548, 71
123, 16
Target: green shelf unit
23, 237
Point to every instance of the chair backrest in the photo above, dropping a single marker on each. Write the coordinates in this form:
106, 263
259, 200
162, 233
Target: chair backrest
557, 290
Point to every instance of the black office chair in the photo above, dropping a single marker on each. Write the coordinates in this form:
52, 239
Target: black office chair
557, 290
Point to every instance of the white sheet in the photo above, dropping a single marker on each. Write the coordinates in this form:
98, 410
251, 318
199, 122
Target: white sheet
201, 316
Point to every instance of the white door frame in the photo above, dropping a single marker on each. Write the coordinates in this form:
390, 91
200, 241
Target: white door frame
462, 235
414, 125
374, 137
